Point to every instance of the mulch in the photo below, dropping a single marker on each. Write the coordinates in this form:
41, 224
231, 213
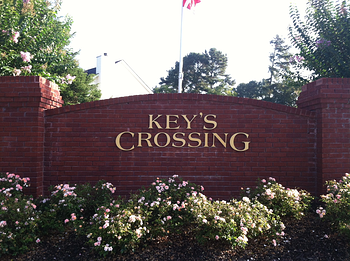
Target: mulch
309, 239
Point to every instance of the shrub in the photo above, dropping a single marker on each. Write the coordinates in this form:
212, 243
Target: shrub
70, 203
157, 211
18, 218
337, 200
234, 221
283, 201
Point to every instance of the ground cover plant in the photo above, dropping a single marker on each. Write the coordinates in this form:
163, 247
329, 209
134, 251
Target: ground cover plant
337, 204
113, 226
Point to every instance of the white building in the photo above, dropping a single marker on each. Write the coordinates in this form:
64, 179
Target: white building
117, 78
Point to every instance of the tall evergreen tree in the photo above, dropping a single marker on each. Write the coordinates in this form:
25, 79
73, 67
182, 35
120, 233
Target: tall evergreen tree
81, 89
282, 86
203, 73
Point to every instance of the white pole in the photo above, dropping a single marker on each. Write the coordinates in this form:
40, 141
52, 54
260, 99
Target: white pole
181, 60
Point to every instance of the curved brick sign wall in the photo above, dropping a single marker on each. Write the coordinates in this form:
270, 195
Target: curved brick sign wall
222, 143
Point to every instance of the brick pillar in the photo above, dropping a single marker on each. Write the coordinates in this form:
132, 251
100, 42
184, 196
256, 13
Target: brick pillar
23, 101
330, 99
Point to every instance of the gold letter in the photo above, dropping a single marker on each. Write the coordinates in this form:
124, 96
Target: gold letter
167, 139
210, 122
179, 139
117, 141
189, 121
206, 140
146, 139
219, 139
151, 121
194, 139
168, 121
246, 143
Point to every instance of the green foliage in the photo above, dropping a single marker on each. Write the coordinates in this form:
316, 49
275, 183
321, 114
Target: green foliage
81, 89
284, 84
203, 73
32, 27
34, 40
284, 202
69, 203
337, 200
18, 217
234, 222
323, 39
168, 206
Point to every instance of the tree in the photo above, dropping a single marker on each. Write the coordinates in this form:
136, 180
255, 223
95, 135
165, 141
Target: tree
282, 86
81, 89
34, 40
323, 39
253, 90
203, 73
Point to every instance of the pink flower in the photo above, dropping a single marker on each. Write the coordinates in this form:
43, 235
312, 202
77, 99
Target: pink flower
27, 68
274, 242
26, 56
263, 180
37, 240
15, 37
70, 79
217, 237
168, 217
66, 221
16, 72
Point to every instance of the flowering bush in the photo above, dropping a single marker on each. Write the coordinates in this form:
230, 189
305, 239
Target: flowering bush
113, 225
166, 202
33, 40
70, 203
18, 218
157, 211
337, 200
283, 201
234, 221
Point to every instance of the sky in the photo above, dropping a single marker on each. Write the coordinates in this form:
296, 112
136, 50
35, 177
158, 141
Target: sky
146, 34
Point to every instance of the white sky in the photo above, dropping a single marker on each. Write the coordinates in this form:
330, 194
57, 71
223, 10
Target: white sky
146, 33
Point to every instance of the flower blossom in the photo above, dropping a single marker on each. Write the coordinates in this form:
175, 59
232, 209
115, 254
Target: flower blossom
15, 37
27, 68
70, 79
26, 56
16, 72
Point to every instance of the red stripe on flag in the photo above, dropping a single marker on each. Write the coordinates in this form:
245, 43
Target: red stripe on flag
190, 3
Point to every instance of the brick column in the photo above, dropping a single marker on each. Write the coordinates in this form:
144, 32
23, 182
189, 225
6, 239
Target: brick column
330, 99
23, 101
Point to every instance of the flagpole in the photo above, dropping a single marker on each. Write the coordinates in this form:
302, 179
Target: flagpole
181, 60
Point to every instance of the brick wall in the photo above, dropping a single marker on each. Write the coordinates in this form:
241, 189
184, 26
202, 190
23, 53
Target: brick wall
77, 144
80, 143
330, 100
22, 102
